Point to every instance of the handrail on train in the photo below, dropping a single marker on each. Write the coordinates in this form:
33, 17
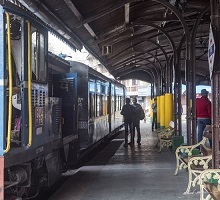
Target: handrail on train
10, 85
29, 87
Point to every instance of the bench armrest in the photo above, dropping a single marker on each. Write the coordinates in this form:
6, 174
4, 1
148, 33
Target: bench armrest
188, 149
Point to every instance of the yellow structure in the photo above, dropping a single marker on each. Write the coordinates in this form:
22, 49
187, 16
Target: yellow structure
158, 111
168, 109
162, 111
151, 110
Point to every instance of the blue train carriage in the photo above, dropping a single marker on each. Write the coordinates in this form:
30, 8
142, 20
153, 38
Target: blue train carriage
94, 107
31, 136
63, 84
51, 110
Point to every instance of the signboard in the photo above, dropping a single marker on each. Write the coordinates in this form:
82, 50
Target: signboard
211, 51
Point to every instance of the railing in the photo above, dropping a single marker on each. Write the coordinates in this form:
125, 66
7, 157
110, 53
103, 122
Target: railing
10, 85
29, 88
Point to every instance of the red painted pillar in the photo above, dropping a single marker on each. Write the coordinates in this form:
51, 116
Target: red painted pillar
1, 177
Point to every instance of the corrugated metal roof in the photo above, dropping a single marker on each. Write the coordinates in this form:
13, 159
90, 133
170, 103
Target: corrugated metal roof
139, 49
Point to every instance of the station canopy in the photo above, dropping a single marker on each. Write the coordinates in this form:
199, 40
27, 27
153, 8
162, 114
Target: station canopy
136, 39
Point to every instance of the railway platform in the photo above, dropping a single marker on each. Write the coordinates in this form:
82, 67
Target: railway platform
133, 173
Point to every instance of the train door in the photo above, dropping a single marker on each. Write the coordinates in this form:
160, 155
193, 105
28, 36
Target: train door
65, 87
12, 63
119, 103
26, 75
92, 111
83, 98
101, 119
39, 87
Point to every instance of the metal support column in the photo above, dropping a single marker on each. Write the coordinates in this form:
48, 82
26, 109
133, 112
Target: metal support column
179, 87
175, 104
176, 66
169, 75
193, 64
193, 109
215, 21
177, 101
188, 93
215, 119
179, 90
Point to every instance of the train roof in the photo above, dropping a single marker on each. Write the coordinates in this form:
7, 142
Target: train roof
57, 64
84, 70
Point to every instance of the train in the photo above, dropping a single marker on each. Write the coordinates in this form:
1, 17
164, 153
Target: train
54, 111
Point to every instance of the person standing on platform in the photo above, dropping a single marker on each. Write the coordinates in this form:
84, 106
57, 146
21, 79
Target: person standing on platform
154, 121
203, 113
138, 115
128, 113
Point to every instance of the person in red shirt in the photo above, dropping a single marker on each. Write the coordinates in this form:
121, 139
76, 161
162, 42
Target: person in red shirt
203, 113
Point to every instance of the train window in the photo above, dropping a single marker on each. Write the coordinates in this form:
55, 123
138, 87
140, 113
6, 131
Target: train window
121, 102
106, 89
108, 104
91, 86
103, 89
113, 90
98, 88
38, 56
105, 105
16, 48
91, 105
113, 104
118, 103
101, 105
97, 105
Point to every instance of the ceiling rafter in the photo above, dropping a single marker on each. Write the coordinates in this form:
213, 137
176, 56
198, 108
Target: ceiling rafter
79, 16
105, 11
130, 60
131, 27
140, 41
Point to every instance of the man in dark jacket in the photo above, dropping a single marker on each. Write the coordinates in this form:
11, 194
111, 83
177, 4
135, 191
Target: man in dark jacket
128, 112
203, 113
138, 115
